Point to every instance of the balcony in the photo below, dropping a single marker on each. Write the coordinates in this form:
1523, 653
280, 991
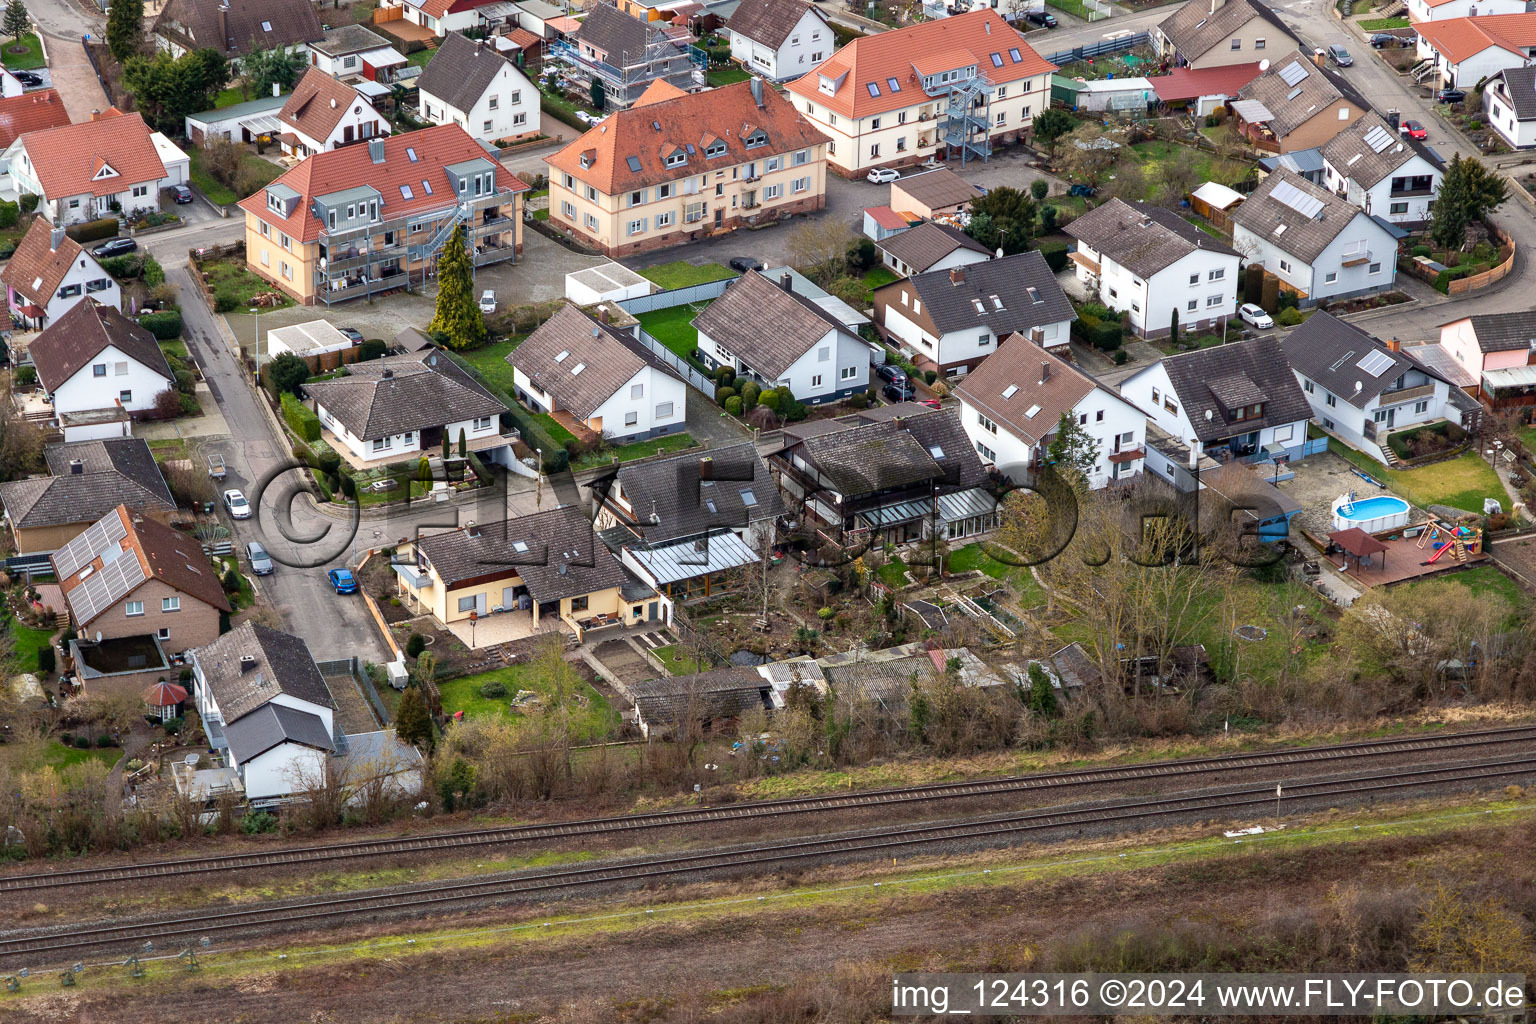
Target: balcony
1355, 259
1402, 395
485, 255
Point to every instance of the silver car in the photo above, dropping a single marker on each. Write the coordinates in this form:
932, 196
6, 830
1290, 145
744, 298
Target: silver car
261, 562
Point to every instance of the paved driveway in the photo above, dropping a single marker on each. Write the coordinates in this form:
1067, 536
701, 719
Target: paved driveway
73, 76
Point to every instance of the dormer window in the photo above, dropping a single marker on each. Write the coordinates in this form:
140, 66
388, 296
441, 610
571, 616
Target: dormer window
714, 149
756, 139
586, 161
677, 158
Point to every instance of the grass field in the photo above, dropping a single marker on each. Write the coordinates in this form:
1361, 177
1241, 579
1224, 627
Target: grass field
553, 428
26, 643
678, 661
1485, 579
1462, 482
728, 76
592, 718
637, 450
23, 54
972, 556
1206, 166
893, 573
681, 274
57, 756
226, 277
877, 277
673, 328
491, 361
262, 171
1382, 24
175, 347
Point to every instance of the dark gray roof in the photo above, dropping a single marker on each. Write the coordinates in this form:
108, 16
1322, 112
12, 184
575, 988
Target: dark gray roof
1143, 239
765, 326
116, 471
462, 70
71, 342
1520, 84
604, 357
769, 21
1288, 229
718, 693
1246, 368
1329, 351
685, 504
1194, 29
282, 665
622, 37
923, 245
891, 448
257, 732
1354, 151
1294, 90
345, 39
556, 553
1505, 332
243, 27
938, 188
423, 389
1023, 284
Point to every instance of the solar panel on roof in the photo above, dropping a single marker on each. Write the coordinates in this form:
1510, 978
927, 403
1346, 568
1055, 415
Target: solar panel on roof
1296, 199
634, 162
97, 539
1378, 138
1375, 363
1293, 72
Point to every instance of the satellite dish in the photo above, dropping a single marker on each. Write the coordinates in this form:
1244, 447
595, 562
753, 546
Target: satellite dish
1208, 415
191, 760
1263, 65
98, 636
1359, 386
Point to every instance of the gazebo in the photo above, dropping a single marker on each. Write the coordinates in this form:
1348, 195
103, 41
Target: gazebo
1356, 542
165, 699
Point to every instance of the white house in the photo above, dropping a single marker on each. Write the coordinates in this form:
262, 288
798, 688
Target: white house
1012, 404
1509, 97
50, 273
1319, 245
767, 331
10, 85
442, 16
1465, 51
956, 318
475, 87
91, 169
350, 51
927, 246
93, 357
779, 39
1233, 401
1383, 172
323, 114
1442, 10
599, 377
399, 407
1154, 263
1362, 389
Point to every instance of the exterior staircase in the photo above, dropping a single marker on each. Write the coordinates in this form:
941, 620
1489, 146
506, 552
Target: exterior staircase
1395, 9
1388, 456
435, 244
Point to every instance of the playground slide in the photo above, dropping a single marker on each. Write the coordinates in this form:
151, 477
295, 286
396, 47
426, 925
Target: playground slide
1443, 549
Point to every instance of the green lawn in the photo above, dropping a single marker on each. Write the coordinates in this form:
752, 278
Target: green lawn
541, 214
368, 499
26, 643
556, 432
229, 97
593, 718
681, 274
24, 54
1152, 155
420, 57
972, 556
227, 277
57, 756
1485, 579
491, 361
893, 573
175, 347
673, 328
262, 172
727, 76
877, 277
1382, 24
638, 450
678, 661
1462, 482
554, 102
1527, 436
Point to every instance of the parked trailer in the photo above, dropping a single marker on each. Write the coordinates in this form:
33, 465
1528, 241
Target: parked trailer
216, 467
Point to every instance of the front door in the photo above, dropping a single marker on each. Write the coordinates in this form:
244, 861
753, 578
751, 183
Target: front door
508, 598
651, 611
719, 217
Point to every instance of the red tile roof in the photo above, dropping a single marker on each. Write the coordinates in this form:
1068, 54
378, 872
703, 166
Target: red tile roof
886, 217
318, 104
67, 160
438, 8
1193, 83
32, 112
37, 269
523, 38
1456, 39
939, 45
352, 166
666, 120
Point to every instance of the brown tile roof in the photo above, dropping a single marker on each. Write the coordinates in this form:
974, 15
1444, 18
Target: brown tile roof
525, 39
1195, 28
1293, 105
282, 664
318, 104
74, 339
243, 27
30, 112
572, 339
769, 21
556, 553
968, 39
67, 160
421, 390
37, 269
630, 148
1013, 381
1289, 229
114, 471
767, 327
1366, 157
935, 189
163, 553
924, 244
351, 166
1143, 239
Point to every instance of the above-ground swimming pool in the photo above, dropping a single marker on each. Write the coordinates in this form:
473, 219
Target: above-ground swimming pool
1373, 515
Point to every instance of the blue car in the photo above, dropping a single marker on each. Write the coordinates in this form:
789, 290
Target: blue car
343, 581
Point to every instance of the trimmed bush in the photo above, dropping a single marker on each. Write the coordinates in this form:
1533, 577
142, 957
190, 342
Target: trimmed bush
10, 213
104, 741
29, 202
93, 230
301, 419
1055, 254
733, 405
416, 644
929, 376
493, 689
225, 303
1422, 250
1290, 317
770, 400
46, 660
373, 348
164, 326
82, 743
1122, 357
326, 460
724, 394
724, 376
751, 391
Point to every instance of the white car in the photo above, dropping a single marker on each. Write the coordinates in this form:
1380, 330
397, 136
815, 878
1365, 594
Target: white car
584, 117
488, 302
884, 175
238, 507
1255, 316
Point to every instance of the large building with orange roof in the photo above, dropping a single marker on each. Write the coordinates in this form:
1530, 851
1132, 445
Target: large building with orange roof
369, 218
956, 86
677, 167
1442, 10
94, 168
1466, 51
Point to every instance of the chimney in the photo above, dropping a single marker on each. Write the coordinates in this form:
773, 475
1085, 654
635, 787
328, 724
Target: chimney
957, 275
95, 115
1393, 345
707, 468
277, 90
602, 317
757, 91
76, 467
224, 36
247, 662
1045, 372
388, 374
376, 150
57, 239
786, 281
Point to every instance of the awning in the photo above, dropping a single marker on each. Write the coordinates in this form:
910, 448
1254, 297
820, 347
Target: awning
1251, 111
1355, 541
413, 577
1512, 377
372, 90
966, 505
261, 124
687, 559
895, 515
383, 57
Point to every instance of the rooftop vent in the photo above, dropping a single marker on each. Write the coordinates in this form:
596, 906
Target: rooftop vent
376, 150
247, 662
387, 374
786, 281
76, 467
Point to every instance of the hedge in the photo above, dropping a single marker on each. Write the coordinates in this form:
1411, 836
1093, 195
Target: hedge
1055, 254
164, 326
301, 419
556, 458
93, 230
1445, 277
1101, 334
478, 468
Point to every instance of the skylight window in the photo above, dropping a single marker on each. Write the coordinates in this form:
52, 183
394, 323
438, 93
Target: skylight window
874, 88
563, 353
266, 26
410, 152
578, 368
997, 60
405, 190
1031, 412
979, 307
519, 546
893, 85
709, 503
1034, 295
1013, 54
426, 186
936, 452
997, 303
1010, 390
633, 162
748, 498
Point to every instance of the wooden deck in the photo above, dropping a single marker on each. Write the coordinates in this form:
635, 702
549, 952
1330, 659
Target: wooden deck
1404, 560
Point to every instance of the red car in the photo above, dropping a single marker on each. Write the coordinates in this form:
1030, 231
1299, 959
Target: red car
1413, 130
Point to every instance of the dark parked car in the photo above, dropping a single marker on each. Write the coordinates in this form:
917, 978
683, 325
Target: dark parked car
1340, 56
116, 247
181, 193
742, 264
898, 392
1042, 18
354, 335
1081, 190
30, 78
1450, 96
1385, 41
891, 372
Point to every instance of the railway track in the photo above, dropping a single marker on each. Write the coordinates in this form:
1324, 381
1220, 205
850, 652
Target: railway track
61, 945
1489, 739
